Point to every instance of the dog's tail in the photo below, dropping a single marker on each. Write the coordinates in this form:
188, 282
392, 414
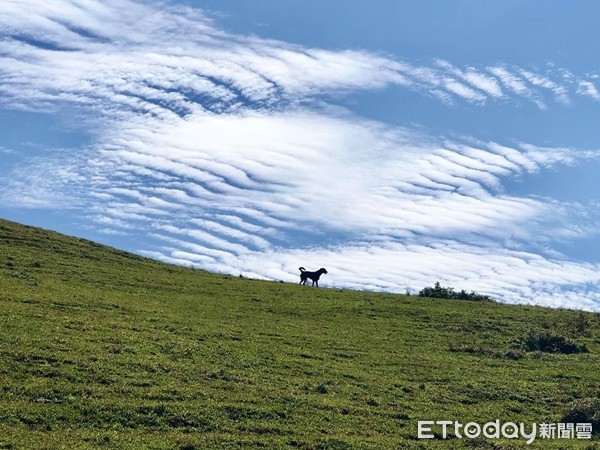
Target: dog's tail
301, 269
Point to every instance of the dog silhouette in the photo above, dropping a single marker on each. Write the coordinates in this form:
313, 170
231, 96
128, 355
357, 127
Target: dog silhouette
314, 276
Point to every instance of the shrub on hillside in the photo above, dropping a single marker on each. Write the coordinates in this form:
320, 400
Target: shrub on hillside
584, 410
546, 341
437, 291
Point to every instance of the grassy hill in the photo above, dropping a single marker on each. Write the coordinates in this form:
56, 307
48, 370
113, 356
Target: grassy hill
104, 349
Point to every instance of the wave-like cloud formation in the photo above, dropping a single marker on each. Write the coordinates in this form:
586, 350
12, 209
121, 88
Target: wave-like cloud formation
122, 54
226, 152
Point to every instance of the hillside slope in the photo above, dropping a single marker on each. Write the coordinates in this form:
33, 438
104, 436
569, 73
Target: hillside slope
104, 349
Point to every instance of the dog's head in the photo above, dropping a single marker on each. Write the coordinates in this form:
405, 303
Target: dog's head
323, 270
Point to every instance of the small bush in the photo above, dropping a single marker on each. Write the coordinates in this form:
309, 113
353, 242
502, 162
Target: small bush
513, 354
582, 324
334, 444
585, 410
437, 291
547, 342
323, 389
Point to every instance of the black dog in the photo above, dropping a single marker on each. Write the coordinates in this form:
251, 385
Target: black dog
314, 276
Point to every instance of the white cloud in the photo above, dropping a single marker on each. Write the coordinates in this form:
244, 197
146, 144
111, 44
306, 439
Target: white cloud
541, 81
121, 56
485, 85
588, 88
483, 82
462, 90
510, 80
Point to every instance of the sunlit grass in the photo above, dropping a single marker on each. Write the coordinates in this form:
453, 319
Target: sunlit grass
103, 349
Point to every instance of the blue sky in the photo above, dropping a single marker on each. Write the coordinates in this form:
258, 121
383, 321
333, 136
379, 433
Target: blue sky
396, 144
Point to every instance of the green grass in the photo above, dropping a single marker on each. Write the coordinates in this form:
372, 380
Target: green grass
103, 349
